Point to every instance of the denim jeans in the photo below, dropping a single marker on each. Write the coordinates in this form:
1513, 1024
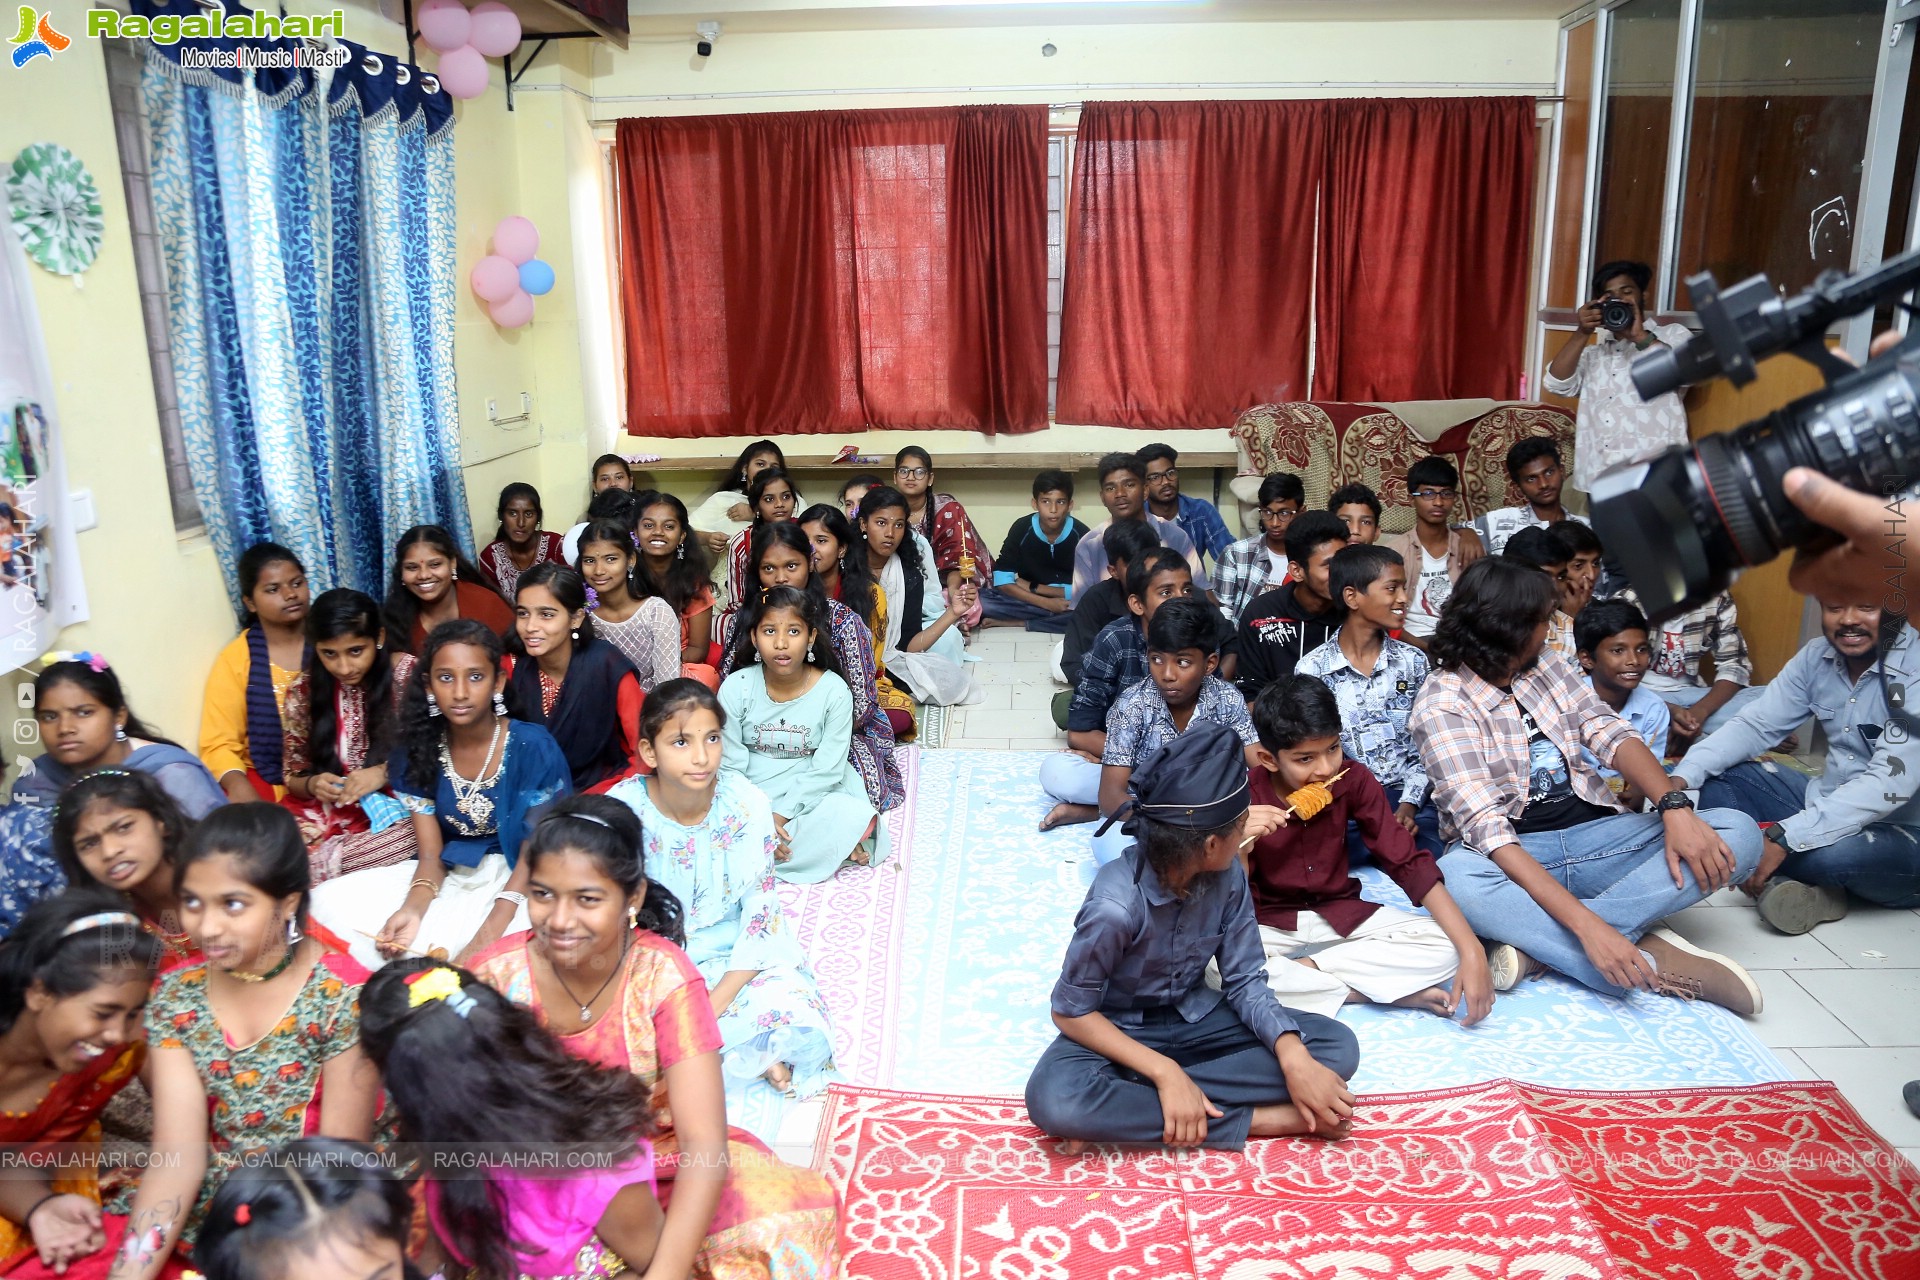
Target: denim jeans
1616, 866
1880, 864
1426, 820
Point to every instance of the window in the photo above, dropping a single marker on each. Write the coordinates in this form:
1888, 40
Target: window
1059, 182
1642, 48
1781, 94
124, 62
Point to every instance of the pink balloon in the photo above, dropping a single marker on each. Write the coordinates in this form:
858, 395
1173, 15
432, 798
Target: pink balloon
516, 240
494, 279
445, 25
496, 29
514, 312
463, 73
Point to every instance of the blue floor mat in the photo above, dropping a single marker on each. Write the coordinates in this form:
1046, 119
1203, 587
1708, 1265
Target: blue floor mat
990, 907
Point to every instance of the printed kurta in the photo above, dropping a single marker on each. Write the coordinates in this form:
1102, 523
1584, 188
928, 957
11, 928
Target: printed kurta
344, 838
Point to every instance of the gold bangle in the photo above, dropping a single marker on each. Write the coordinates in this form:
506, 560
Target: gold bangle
432, 888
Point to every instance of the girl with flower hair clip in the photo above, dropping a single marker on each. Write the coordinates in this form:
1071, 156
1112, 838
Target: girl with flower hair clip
640, 625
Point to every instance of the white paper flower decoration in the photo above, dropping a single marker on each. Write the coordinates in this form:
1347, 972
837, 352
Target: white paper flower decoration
56, 208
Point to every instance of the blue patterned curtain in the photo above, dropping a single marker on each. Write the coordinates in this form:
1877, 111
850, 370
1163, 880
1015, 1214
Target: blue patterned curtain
307, 220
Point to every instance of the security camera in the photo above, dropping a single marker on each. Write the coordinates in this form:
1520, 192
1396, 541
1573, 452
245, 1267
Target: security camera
708, 32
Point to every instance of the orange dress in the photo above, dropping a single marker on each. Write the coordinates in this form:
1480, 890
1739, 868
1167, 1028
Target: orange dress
774, 1221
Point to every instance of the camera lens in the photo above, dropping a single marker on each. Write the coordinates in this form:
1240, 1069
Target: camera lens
1616, 315
1684, 522
704, 48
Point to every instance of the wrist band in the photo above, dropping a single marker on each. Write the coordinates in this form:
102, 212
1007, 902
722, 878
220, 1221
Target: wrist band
508, 895
26, 1219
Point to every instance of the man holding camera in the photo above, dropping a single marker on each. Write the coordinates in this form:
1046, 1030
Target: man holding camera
1614, 425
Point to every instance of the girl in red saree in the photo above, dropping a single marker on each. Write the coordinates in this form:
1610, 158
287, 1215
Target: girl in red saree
603, 969
73, 983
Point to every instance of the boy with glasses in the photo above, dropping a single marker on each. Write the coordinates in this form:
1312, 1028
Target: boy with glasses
1435, 550
1197, 518
1253, 566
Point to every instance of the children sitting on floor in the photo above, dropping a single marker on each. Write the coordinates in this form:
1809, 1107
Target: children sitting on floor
1306, 901
726, 510
773, 499
1375, 679
1198, 519
1033, 576
1105, 600
673, 565
1585, 569
1123, 481
1149, 1051
1117, 662
925, 646
1180, 691
241, 738
1359, 507
1286, 624
520, 543
959, 552
1615, 654
1436, 551
1681, 647
1254, 566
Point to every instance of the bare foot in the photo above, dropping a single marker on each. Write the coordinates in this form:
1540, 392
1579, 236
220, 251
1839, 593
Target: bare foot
1066, 815
1285, 1120
1073, 1146
779, 1077
860, 857
1433, 1000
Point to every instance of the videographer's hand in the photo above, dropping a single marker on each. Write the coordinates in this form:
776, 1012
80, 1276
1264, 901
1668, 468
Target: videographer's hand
1871, 523
1588, 319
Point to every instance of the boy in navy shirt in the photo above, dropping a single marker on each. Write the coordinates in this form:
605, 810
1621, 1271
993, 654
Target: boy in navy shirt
1148, 1051
1033, 574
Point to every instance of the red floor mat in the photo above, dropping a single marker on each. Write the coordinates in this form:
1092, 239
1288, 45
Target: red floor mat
1500, 1180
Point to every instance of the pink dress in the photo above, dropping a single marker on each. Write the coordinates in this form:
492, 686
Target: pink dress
561, 1216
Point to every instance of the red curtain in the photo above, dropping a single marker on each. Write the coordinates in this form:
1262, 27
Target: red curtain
1189, 261
816, 272
1426, 224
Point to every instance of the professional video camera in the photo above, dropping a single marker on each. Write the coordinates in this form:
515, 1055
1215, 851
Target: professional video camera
1681, 524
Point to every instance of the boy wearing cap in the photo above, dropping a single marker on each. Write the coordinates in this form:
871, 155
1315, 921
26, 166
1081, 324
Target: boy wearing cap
1148, 1052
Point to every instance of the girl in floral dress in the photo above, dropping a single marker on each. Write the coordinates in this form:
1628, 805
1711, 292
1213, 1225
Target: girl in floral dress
256, 1045
641, 626
602, 970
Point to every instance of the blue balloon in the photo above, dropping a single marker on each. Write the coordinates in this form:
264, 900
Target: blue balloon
536, 277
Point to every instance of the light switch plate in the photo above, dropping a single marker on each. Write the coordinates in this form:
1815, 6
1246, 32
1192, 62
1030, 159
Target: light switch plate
80, 506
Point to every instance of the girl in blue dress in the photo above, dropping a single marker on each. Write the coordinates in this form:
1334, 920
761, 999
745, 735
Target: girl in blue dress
474, 782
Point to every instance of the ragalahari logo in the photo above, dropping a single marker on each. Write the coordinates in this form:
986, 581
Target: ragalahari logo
36, 37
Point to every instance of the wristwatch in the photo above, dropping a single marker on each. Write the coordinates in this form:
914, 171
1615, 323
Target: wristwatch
1673, 800
508, 895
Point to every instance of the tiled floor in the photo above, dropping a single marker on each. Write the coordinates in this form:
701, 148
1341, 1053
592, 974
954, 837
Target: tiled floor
1842, 1003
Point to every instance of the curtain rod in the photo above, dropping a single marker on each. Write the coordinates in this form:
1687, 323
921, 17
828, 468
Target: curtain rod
1541, 97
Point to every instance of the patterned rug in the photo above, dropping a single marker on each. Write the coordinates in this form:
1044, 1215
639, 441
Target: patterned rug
990, 905
1494, 1180
931, 722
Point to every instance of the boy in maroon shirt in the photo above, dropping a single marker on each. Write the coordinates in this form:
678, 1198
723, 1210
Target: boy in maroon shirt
1304, 897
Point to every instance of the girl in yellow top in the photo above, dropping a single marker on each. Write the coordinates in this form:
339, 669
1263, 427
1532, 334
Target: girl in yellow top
241, 740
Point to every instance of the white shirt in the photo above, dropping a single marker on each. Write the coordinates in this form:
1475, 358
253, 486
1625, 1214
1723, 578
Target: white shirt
1614, 426
1430, 591
1500, 524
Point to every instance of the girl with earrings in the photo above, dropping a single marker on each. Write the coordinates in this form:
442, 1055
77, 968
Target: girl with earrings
342, 715
520, 543
727, 510
255, 1046
675, 568
241, 736
639, 625
772, 497
473, 781
86, 724
433, 583
839, 557
603, 969
925, 648
580, 688
789, 725
782, 557
74, 978
122, 832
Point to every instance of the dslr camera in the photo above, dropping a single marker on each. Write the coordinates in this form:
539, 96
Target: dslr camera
1616, 316
1682, 524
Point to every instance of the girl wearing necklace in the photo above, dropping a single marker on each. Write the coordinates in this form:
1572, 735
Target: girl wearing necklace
73, 979
604, 970
580, 688
674, 566
641, 626
241, 738
473, 780
123, 832
257, 1044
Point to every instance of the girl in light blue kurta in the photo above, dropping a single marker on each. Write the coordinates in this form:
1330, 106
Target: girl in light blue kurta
708, 838
789, 722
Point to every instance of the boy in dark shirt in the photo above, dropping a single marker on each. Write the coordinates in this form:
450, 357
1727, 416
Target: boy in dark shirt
1033, 575
1305, 900
1286, 624
1148, 1051
1105, 601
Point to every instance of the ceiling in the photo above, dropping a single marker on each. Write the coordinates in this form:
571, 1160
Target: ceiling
678, 16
